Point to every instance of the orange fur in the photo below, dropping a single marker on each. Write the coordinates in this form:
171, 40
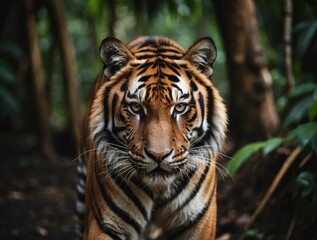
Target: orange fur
151, 135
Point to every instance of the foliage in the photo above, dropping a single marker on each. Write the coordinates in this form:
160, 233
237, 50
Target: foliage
252, 234
306, 196
303, 110
298, 110
307, 183
305, 99
9, 103
245, 152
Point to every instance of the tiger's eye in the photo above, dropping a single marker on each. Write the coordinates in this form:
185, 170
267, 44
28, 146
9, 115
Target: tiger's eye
180, 108
135, 107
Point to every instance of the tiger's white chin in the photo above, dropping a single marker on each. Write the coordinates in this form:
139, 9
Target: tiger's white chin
162, 185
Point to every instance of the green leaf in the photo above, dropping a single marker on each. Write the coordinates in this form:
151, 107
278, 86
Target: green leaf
271, 144
281, 103
242, 155
252, 234
314, 142
305, 133
315, 95
305, 178
306, 181
12, 48
9, 104
303, 89
307, 38
312, 111
298, 111
301, 26
6, 73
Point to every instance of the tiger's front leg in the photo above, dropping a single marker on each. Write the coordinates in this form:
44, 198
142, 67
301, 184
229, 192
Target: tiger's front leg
115, 208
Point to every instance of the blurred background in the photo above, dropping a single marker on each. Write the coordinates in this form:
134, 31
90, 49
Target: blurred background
265, 70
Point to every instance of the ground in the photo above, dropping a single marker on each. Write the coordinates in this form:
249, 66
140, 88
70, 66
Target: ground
37, 199
37, 202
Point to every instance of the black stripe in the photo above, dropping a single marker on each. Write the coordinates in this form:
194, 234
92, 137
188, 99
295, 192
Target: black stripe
124, 86
144, 69
179, 189
158, 51
174, 70
82, 176
205, 137
210, 107
195, 191
145, 56
178, 56
135, 64
178, 88
210, 110
182, 229
193, 85
80, 196
168, 96
144, 78
172, 78
168, 50
144, 187
192, 118
125, 216
210, 102
109, 139
185, 96
115, 129
144, 65
153, 50
202, 106
97, 212
126, 189
139, 87
113, 107
173, 67
105, 106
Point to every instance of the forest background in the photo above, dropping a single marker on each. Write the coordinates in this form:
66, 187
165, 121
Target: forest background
265, 70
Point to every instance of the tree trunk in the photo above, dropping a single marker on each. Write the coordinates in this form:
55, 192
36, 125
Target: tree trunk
251, 108
72, 90
38, 82
111, 17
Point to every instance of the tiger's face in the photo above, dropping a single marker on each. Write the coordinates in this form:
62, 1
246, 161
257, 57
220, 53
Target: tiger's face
157, 116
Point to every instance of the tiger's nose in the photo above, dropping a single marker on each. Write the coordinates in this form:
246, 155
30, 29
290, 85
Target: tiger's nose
157, 156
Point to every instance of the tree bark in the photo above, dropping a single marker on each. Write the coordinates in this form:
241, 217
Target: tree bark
111, 17
72, 90
38, 82
287, 37
251, 108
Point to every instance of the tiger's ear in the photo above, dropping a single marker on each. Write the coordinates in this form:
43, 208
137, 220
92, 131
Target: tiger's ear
202, 54
114, 55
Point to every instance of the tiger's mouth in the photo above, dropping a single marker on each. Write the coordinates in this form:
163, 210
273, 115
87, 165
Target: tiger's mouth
147, 167
159, 171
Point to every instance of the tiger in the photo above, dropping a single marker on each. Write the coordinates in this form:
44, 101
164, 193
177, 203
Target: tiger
154, 127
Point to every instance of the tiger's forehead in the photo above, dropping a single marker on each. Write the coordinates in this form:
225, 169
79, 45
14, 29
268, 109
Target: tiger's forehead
157, 79
149, 47
159, 73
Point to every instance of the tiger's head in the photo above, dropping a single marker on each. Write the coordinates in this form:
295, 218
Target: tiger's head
157, 114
